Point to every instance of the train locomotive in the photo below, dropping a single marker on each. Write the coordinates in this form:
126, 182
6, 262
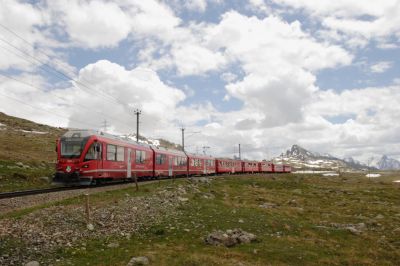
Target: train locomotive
87, 157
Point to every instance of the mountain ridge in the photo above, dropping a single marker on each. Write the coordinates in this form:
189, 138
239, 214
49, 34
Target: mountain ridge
302, 158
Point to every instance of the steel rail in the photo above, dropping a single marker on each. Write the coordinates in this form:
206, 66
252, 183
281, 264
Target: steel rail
21, 193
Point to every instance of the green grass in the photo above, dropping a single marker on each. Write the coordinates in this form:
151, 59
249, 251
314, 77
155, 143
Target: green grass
14, 177
296, 232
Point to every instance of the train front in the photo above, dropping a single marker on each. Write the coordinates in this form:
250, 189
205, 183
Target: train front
71, 150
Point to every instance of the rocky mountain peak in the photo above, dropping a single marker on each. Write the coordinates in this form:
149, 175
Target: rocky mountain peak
386, 163
298, 152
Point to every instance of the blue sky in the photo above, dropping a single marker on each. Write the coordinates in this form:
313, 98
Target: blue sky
270, 73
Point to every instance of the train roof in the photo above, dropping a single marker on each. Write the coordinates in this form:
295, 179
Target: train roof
83, 133
228, 159
202, 156
166, 150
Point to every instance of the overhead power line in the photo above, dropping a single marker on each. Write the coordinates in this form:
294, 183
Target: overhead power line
47, 65
51, 70
61, 98
47, 111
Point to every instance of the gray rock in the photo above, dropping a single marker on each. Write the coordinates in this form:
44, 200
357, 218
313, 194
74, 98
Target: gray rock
138, 261
297, 191
32, 263
182, 199
354, 230
230, 238
44, 178
292, 202
267, 205
90, 227
113, 245
244, 239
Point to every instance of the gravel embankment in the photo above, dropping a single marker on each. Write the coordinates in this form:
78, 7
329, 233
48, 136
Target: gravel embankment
13, 204
44, 231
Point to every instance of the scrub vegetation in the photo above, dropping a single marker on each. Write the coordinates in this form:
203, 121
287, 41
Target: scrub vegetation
298, 220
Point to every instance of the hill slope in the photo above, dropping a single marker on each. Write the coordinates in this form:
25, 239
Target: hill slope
25, 141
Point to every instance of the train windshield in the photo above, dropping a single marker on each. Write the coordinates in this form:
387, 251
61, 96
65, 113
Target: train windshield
72, 147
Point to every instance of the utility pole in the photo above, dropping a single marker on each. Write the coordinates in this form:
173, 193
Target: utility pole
183, 138
240, 156
137, 112
105, 126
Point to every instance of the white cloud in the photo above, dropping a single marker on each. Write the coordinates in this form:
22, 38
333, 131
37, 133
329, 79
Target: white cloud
228, 77
111, 92
372, 130
278, 59
11, 13
129, 89
259, 6
381, 67
359, 22
91, 24
199, 5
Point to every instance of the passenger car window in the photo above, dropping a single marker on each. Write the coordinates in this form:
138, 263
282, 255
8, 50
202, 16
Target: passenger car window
111, 152
120, 154
140, 157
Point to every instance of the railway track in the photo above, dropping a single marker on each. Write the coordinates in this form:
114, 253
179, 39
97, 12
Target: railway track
22, 193
15, 194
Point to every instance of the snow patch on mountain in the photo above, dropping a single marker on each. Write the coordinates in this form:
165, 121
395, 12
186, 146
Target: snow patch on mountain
299, 157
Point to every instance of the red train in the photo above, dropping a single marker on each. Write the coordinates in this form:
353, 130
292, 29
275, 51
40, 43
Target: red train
89, 157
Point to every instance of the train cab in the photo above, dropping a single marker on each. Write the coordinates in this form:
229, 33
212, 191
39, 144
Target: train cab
87, 157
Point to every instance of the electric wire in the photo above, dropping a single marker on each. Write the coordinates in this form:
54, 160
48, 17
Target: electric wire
54, 71
28, 84
47, 111
57, 73
51, 70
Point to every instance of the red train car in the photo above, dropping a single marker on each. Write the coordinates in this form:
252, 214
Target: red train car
200, 164
89, 157
287, 168
266, 167
278, 168
231, 166
250, 166
169, 163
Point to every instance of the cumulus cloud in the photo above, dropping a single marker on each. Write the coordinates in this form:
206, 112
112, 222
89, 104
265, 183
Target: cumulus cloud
11, 13
103, 91
381, 67
278, 59
357, 21
91, 24
119, 91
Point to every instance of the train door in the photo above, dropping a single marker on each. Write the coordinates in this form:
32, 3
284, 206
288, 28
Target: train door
129, 164
98, 157
205, 162
170, 160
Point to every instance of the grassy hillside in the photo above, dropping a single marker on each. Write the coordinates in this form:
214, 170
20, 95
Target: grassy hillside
27, 153
25, 141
